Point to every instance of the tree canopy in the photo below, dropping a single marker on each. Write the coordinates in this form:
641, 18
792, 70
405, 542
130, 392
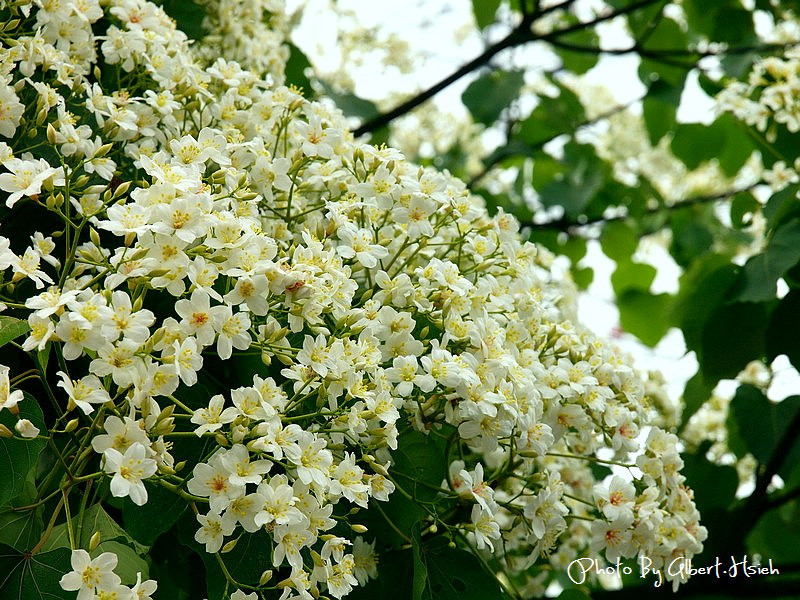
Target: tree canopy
238, 321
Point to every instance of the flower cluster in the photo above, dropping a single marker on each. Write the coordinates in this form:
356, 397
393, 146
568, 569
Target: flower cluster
230, 265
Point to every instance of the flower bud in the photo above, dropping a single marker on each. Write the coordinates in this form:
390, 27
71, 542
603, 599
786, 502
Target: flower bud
265, 577
122, 188
358, 528
94, 541
71, 425
229, 546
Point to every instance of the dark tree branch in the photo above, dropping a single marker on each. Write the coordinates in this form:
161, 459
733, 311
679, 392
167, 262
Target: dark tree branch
519, 35
758, 503
782, 498
659, 53
569, 226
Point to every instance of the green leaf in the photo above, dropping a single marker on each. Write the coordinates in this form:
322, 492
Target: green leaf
782, 206
188, 16
738, 145
162, 510
26, 577
251, 556
418, 458
350, 104
644, 315
18, 456
775, 537
552, 117
720, 21
783, 332
21, 529
762, 271
618, 241
585, 175
454, 573
761, 425
695, 394
632, 276
296, 69
703, 288
582, 276
666, 35
11, 329
642, 20
695, 143
129, 563
578, 61
714, 486
744, 206
732, 337
574, 594
691, 237
485, 11
490, 93
660, 108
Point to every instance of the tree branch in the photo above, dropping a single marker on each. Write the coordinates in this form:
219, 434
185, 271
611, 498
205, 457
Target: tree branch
519, 35
758, 503
658, 53
780, 499
567, 225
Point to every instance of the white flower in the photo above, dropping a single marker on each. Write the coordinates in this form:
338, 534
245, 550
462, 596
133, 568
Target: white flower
233, 333
187, 360
365, 560
212, 480
614, 537
11, 110
311, 458
251, 291
213, 529
279, 503
213, 417
128, 471
617, 500
26, 178
415, 216
485, 527
84, 392
118, 360
26, 429
143, 590
242, 470
290, 540
359, 243
88, 575
8, 399
120, 435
